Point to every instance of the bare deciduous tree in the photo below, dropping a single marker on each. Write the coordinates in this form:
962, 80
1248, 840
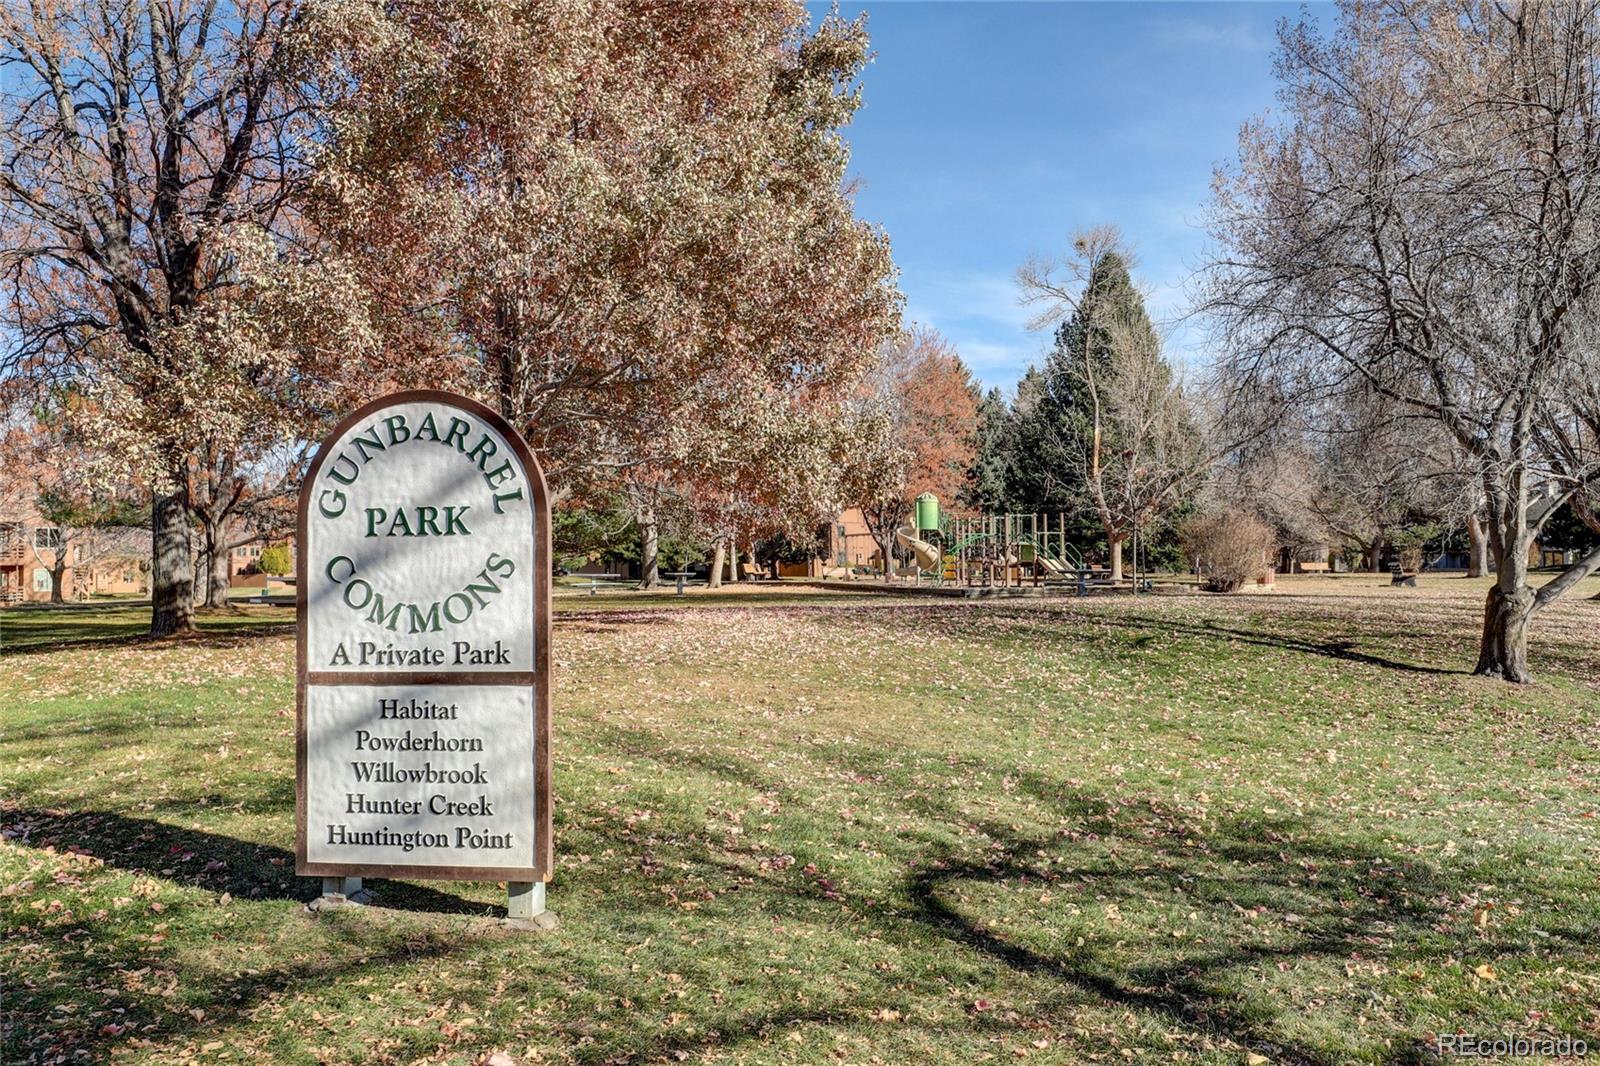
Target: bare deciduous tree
1426, 222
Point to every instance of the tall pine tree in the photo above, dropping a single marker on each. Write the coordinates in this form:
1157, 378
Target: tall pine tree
1057, 440
986, 481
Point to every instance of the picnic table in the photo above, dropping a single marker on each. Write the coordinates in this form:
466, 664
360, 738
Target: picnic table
680, 575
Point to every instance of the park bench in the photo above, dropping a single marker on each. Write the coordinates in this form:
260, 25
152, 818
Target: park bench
1313, 568
1399, 577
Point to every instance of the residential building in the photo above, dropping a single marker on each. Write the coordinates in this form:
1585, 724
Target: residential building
98, 562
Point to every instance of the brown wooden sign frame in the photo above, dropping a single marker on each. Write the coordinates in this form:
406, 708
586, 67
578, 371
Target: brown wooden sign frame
538, 679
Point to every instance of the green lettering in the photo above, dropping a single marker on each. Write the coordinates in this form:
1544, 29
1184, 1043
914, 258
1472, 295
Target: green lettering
425, 623
458, 429
477, 590
343, 478
388, 619
499, 475
466, 607
349, 589
367, 443
482, 450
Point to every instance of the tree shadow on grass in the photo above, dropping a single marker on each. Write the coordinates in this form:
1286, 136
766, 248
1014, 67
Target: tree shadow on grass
1276, 902
1287, 896
199, 859
69, 635
38, 1030
55, 1022
1345, 650
211, 862
1182, 989
609, 621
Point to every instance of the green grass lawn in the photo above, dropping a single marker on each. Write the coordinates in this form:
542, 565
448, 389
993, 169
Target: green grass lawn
850, 829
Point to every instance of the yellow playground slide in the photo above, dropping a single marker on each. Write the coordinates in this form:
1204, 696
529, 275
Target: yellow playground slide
927, 556
1051, 565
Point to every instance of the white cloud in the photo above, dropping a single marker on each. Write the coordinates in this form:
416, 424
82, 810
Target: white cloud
1188, 32
981, 316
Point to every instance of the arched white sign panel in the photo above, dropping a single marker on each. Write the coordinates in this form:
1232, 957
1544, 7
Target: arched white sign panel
423, 581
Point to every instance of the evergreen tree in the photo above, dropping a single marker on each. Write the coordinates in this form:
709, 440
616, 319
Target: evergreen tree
1055, 435
1036, 463
986, 481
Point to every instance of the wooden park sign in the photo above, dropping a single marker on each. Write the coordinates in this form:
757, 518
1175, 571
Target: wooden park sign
422, 744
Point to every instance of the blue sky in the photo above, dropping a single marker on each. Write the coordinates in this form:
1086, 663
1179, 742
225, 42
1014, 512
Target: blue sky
992, 131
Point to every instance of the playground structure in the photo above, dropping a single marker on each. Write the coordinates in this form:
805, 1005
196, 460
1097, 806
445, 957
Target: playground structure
1006, 550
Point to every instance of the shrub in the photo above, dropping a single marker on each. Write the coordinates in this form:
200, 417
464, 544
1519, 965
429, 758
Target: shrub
1410, 543
275, 560
1228, 548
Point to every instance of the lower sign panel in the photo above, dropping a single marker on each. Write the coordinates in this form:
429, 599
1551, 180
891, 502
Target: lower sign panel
420, 776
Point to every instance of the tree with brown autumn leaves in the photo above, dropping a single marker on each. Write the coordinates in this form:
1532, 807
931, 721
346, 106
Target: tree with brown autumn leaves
158, 284
915, 431
623, 223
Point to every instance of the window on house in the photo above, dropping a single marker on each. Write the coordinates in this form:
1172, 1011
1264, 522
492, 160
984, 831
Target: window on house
47, 537
41, 580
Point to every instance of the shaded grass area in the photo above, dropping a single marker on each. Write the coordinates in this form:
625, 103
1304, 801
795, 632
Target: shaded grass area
33, 627
1185, 830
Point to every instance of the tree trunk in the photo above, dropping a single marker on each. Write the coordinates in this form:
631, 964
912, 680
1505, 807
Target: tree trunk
1374, 555
1477, 547
1507, 610
1503, 650
217, 572
886, 546
202, 572
171, 567
649, 557
58, 575
1115, 544
719, 549
211, 568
